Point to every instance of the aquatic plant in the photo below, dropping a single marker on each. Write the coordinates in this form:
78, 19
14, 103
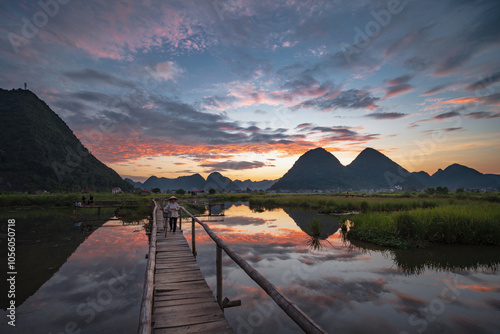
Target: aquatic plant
314, 227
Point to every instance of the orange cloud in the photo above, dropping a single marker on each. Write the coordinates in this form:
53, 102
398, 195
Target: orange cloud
462, 100
115, 148
481, 288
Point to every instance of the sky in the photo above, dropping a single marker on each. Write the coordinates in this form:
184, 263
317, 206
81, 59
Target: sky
172, 88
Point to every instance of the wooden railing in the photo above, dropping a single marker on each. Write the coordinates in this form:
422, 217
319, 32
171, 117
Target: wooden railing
145, 318
294, 312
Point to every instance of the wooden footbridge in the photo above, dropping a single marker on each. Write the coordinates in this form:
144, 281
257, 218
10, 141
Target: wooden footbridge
176, 297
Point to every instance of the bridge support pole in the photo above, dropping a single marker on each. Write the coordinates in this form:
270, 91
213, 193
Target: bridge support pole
218, 263
193, 236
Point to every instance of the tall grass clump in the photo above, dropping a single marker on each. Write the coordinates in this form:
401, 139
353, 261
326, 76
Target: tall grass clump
467, 223
314, 227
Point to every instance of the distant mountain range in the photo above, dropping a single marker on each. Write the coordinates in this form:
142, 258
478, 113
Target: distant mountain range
196, 182
38, 151
318, 169
372, 170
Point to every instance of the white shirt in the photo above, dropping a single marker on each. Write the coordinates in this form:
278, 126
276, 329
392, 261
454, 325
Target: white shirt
172, 208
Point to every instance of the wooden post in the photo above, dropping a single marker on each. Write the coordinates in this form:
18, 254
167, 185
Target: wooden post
180, 221
193, 236
218, 263
145, 318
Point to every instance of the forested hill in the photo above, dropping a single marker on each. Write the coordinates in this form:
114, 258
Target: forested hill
38, 151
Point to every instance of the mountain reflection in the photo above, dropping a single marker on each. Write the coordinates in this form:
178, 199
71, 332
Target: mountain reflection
250, 230
46, 239
337, 282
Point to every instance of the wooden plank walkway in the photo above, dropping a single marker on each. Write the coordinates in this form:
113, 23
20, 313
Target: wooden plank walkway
183, 301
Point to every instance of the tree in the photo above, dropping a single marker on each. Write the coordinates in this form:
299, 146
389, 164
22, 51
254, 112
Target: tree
180, 191
442, 190
212, 191
460, 190
430, 191
156, 190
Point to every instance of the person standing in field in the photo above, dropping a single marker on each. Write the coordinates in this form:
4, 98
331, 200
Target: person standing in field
172, 208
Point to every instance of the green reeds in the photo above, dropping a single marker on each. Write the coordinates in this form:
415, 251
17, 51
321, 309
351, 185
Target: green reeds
314, 228
340, 204
466, 223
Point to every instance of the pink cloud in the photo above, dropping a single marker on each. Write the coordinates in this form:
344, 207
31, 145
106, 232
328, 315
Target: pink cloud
118, 30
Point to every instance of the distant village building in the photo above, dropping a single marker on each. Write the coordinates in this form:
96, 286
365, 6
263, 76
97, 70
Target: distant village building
117, 190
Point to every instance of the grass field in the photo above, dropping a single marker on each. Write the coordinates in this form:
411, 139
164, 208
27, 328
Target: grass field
475, 223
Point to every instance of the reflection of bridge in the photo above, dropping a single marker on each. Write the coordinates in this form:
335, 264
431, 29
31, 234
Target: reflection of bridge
176, 296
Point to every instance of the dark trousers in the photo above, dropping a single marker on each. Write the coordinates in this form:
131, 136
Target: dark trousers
173, 223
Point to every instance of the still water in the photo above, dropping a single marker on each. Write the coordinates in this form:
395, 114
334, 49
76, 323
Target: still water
76, 279
349, 288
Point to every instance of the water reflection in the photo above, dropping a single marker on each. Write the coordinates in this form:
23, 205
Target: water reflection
45, 240
88, 281
338, 283
453, 258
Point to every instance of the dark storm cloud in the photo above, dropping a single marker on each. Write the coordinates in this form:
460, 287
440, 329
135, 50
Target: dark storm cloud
490, 99
477, 37
398, 85
399, 80
160, 117
398, 89
218, 102
387, 115
92, 76
482, 115
484, 82
350, 99
435, 89
340, 133
445, 115
91, 96
450, 114
232, 165
71, 107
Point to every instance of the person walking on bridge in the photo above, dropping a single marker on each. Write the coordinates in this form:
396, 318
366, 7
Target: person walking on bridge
172, 208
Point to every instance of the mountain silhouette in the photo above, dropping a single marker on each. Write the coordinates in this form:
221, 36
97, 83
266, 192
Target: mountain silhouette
218, 182
316, 169
320, 170
375, 171
254, 185
191, 182
40, 152
457, 176
194, 182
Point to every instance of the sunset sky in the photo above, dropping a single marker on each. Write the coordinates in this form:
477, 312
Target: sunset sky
171, 88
